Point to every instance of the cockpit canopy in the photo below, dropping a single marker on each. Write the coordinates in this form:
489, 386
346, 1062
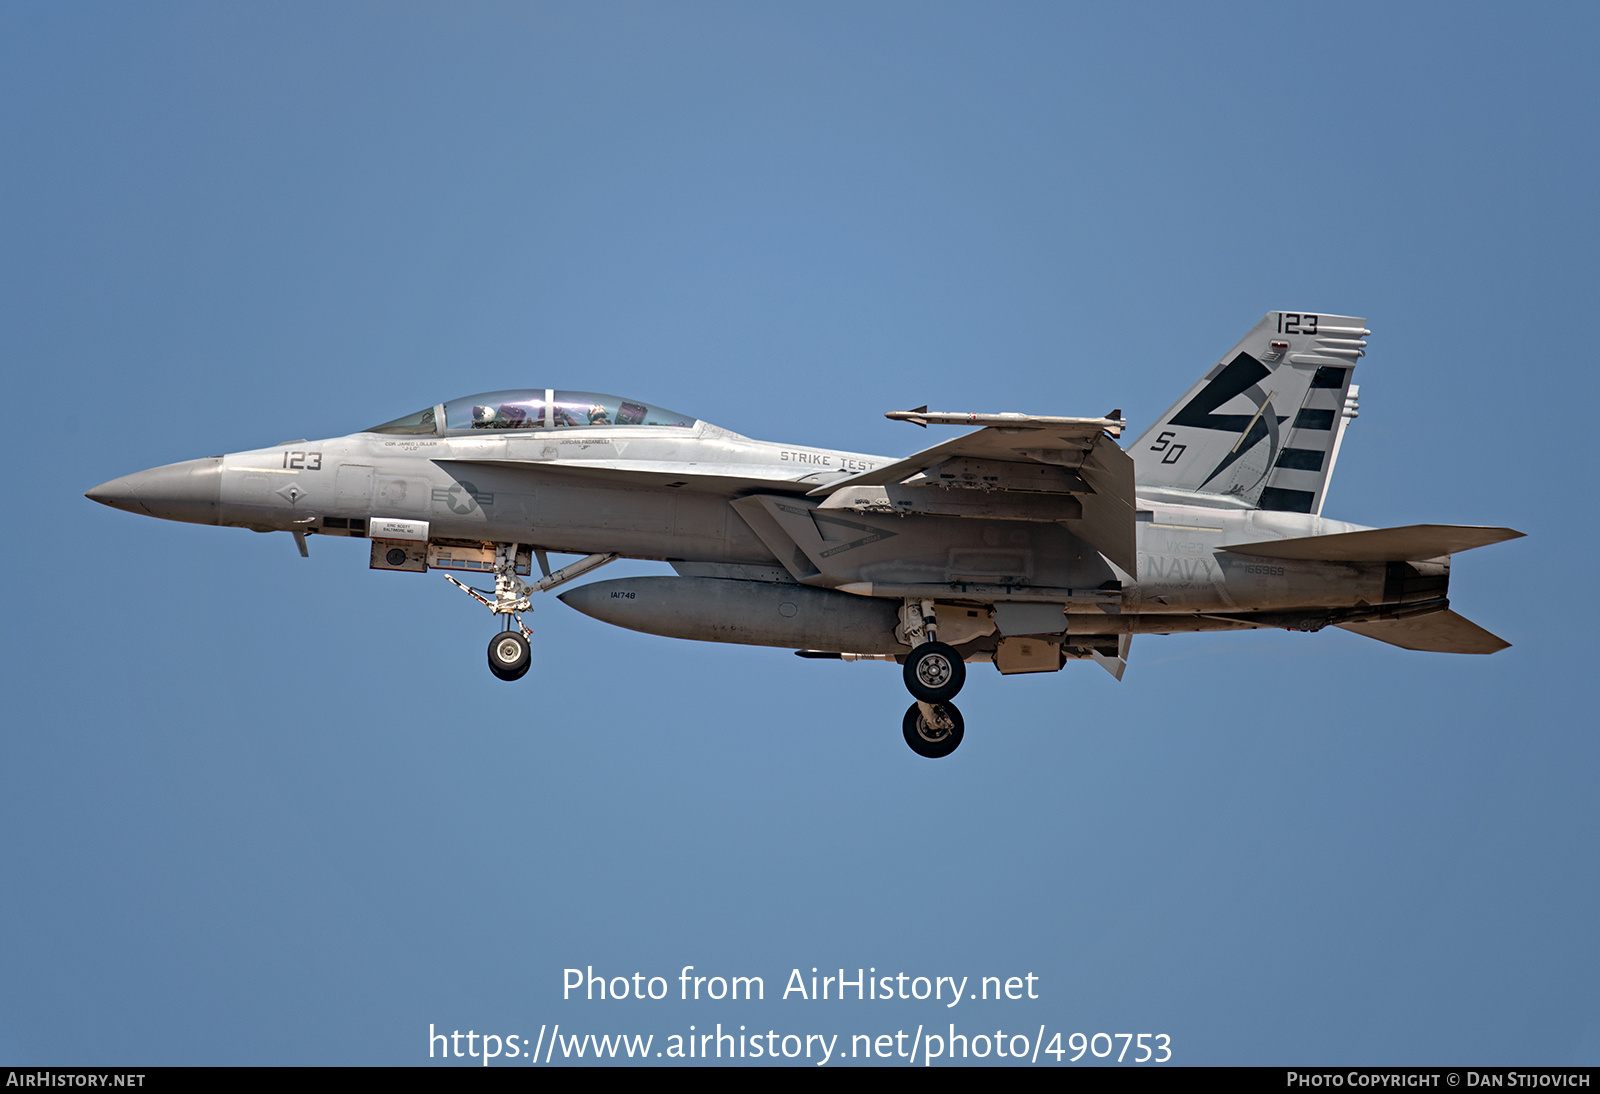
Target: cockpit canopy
533, 408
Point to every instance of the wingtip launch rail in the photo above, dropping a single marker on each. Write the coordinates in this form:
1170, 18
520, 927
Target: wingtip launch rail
1112, 423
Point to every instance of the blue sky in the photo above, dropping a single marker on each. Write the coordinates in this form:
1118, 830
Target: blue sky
261, 809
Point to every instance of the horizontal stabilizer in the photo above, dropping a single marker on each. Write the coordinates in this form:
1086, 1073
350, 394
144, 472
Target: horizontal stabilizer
1407, 544
1441, 632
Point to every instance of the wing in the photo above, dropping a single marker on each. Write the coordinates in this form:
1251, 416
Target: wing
1017, 467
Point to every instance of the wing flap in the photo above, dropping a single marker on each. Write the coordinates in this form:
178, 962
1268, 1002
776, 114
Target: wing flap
1409, 543
1440, 632
1109, 514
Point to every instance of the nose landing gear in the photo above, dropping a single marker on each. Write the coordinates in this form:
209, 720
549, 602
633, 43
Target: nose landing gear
509, 656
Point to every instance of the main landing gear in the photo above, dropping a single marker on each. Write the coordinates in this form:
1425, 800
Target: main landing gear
509, 653
934, 673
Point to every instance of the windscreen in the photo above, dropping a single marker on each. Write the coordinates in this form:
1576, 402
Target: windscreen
420, 422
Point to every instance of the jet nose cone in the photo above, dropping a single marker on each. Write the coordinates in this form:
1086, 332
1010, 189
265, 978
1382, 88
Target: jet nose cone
188, 491
116, 493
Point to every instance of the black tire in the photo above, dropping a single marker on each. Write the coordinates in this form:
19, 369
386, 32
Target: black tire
934, 673
932, 743
518, 675
509, 657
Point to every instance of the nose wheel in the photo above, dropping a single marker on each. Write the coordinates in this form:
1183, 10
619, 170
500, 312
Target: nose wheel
509, 657
933, 729
508, 651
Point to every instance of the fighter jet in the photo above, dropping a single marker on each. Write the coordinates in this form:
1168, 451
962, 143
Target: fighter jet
1027, 543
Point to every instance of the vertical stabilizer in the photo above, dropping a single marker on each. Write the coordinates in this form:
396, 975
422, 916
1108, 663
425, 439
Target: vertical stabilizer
1261, 427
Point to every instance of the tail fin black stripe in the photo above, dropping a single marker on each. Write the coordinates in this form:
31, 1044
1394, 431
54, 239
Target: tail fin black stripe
1241, 374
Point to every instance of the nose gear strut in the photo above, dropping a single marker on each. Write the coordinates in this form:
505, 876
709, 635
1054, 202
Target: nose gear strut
512, 596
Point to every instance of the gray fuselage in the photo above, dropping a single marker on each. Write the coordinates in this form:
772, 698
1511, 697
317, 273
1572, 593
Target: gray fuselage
684, 496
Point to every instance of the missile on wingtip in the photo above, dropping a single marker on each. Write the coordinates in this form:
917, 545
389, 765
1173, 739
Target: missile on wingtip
1114, 424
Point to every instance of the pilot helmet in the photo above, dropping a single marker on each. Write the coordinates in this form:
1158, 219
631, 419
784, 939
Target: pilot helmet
482, 416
